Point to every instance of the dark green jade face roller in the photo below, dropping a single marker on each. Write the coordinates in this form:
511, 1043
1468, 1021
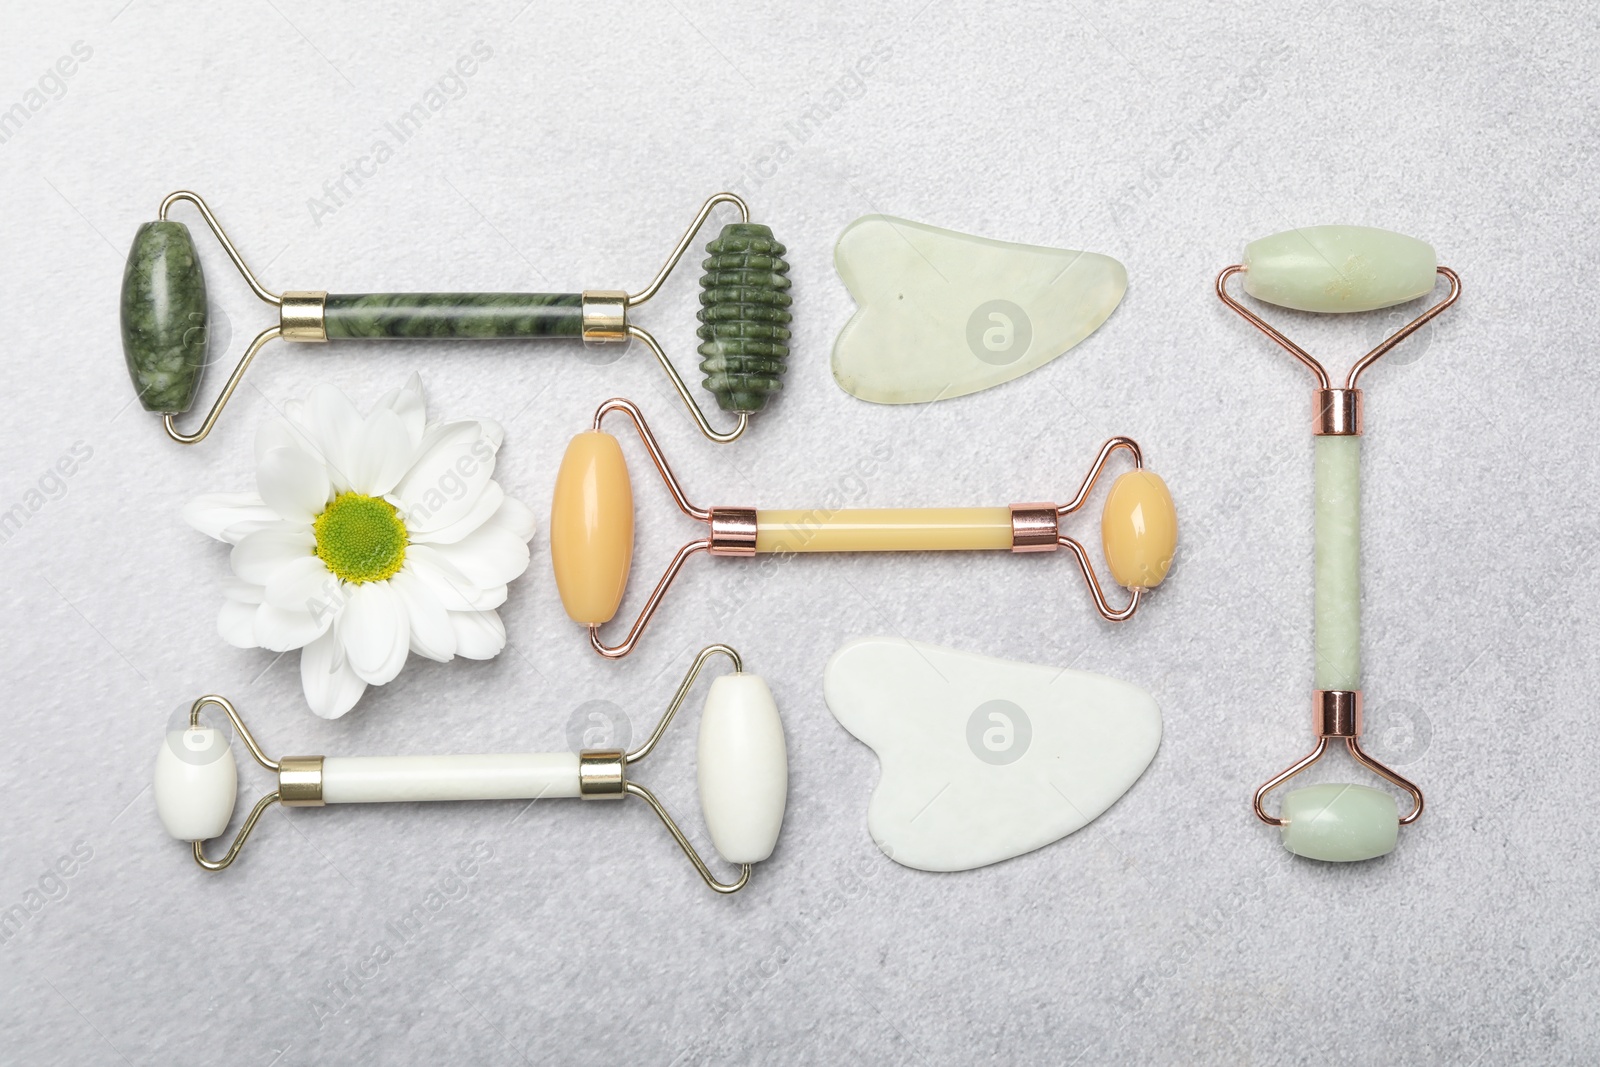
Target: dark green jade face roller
744, 317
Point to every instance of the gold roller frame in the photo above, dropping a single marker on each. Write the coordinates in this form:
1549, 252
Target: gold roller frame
591, 529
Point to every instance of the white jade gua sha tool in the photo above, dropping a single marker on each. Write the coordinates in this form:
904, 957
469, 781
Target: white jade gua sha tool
943, 314
984, 759
1338, 269
591, 529
744, 317
743, 773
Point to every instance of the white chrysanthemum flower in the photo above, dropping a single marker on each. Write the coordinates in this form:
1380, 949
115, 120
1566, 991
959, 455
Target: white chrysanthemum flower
366, 539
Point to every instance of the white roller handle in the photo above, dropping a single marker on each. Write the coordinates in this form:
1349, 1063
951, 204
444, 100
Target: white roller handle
395, 779
743, 768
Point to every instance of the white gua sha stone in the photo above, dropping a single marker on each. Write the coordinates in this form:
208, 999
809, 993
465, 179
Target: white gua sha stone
984, 759
943, 314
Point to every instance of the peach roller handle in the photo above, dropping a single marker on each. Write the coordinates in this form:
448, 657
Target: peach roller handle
884, 530
743, 773
592, 525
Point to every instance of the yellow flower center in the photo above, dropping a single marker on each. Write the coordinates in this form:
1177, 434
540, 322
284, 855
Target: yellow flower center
361, 538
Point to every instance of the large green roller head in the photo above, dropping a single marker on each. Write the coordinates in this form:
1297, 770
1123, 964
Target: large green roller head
744, 317
164, 317
1338, 268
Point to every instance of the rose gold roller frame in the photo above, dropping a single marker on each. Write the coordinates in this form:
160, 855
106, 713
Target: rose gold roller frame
1337, 713
1035, 527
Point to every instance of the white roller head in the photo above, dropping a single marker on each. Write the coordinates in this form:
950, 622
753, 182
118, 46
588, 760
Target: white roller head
196, 783
743, 768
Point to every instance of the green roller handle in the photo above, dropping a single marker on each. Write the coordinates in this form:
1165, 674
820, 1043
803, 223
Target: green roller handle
453, 316
1338, 563
744, 317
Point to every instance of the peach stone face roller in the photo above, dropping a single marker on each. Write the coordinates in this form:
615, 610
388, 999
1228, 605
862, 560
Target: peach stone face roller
743, 773
591, 529
1338, 269
744, 317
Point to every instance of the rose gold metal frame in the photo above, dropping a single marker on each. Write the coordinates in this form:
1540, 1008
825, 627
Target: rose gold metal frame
1338, 410
732, 530
1337, 714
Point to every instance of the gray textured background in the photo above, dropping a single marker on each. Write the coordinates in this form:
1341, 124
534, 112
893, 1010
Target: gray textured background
1172, 929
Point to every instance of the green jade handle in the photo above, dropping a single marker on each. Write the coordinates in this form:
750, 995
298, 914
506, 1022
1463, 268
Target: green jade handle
1338, 562
452, 316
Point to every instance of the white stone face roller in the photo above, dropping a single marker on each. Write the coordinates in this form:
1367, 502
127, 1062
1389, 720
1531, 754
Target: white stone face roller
1338, 269
743, 775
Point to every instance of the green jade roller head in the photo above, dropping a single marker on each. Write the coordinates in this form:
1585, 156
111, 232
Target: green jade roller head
744, 317
1338, 269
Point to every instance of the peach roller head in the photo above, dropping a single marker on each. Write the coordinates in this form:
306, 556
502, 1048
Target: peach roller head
591, 529
1338, 269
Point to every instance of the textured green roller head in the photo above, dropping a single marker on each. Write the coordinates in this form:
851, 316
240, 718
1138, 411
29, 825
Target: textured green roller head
744, 317
164, 317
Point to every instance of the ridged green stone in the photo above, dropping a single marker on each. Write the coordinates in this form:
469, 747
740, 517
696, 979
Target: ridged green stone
1340, 823
453, 316
744, 317
164, 317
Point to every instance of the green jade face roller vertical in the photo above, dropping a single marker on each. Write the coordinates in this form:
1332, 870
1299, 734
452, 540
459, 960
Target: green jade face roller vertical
744, 317
1338, 269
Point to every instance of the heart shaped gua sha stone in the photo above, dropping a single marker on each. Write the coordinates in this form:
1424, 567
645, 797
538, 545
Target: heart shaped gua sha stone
983, 759
943, 314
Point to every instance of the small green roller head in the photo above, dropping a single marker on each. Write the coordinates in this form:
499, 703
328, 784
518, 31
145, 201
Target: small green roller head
744, 317
164, 317
1340, 823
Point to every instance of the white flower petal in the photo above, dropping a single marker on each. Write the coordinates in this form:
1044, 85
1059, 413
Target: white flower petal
281, 631
454, 590
236, 624
381, 454
489, 556
331, 421
409, 403
454, 466
479, 634
282, 432
293, 483
241, 591
227, 516
304, 584
259, 556
489, 502
331, 686
443, 429
431, 633
375, 632
494, 432
517, 517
